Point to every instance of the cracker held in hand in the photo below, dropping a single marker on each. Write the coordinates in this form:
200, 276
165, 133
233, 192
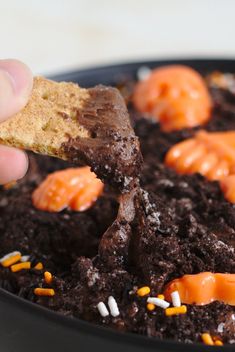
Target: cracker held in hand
85, 126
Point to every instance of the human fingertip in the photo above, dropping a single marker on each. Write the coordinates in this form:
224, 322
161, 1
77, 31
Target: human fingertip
16, 82
20, 74
13, 164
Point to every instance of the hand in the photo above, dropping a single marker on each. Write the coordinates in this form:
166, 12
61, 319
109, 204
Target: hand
16, 83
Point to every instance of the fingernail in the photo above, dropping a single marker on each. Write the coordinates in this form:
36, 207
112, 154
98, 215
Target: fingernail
16, 83
7, 89
8, 82
18, 74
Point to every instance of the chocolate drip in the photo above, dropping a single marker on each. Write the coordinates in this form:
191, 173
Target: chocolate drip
112, 148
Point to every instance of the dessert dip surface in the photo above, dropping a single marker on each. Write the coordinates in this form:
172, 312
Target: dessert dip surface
137, 262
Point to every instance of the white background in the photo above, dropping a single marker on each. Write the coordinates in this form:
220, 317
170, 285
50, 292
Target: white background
55, 35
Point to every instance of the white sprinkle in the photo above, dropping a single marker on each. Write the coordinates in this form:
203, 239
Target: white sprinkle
176, 301
25, 258
143, 73
9, 255
158, 302
220, 327
113, 306
102, 309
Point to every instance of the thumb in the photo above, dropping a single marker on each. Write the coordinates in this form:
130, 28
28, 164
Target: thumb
16, 83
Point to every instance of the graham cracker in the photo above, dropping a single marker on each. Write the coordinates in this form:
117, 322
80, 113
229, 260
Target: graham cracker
84, 126
48, 120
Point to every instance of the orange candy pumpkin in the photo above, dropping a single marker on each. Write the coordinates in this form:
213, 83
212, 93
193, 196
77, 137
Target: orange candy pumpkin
76, 188
175, 95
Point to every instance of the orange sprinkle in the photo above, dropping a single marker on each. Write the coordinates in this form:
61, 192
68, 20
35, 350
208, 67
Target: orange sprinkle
150, 306
9, 185
143, 291
161, 296
12, 260
218, 343
176, 95
48, 277
203, 288
175, 310
18, 267
44, 291
76, 188
207, 339
38, 266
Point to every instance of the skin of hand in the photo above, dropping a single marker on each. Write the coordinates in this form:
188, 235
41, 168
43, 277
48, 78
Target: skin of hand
16, 82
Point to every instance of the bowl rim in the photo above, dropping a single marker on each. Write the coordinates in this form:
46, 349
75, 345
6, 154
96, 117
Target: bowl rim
199, 63
203, 64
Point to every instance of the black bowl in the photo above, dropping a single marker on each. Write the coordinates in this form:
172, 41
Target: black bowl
27, 327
